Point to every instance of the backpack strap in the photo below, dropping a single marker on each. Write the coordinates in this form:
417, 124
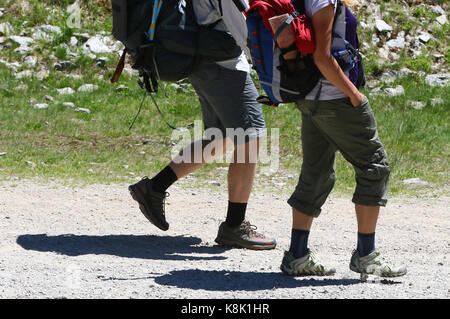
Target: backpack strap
119, 67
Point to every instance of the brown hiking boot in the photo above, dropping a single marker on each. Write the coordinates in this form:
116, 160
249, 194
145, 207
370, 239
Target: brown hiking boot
243, 236
151, 203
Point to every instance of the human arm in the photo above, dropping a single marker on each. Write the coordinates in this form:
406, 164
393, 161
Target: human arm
322, 22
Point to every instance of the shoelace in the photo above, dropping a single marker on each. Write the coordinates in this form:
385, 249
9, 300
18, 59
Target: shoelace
250, 229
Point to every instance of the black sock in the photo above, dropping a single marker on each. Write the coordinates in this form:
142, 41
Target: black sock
164, 179
366, 244
235, 213
299, 242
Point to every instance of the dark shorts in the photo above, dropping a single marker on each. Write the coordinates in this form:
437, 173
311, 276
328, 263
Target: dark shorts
338, 126
228, 102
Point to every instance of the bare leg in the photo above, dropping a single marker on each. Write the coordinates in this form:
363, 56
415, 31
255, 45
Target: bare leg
300, 220
241, 171
367, 217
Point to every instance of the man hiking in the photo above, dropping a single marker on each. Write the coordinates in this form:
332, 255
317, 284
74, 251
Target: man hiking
227, 97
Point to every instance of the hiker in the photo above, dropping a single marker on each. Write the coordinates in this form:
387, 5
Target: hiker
227, 97
342, 120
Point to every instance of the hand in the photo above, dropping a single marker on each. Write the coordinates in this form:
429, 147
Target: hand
358, 99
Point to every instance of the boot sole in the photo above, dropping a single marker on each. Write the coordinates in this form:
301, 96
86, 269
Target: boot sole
138, 197
233, 244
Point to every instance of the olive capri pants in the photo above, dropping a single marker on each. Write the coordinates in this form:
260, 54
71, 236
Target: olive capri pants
337, 125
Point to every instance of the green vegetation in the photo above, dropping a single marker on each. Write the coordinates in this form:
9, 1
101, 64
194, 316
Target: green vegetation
98, 147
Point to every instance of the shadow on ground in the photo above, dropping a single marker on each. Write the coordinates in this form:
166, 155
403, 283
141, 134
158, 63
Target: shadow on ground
128, 246
248, 281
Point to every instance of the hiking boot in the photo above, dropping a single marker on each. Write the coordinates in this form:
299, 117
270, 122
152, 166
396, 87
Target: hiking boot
243, 236
374, 264
151, 203
304, 266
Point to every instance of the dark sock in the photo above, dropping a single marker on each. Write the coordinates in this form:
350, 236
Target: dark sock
164, 179
235, 213
299, 242
366, 244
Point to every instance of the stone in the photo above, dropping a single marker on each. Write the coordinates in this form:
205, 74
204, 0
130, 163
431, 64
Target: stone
398, 43
82, 110
30, 61
382, 26
62, 65
73, 41
442, 79
22, 50
97, 44
6, 28
437, 9
425, 37
436, 101
46, 33
49, 98
40, 106
30, 163
68, 104
65, 91
417, 105
88, 88
397, 91
24, 74
22, 41
442, 19
414, 181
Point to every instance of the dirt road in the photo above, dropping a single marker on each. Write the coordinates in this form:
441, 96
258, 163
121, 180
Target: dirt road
93, 242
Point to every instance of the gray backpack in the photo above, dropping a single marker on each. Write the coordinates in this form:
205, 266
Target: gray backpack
179, 43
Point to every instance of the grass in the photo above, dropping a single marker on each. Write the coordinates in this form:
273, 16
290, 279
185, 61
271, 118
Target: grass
99, 148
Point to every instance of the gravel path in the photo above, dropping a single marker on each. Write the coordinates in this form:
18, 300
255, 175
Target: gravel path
93, 242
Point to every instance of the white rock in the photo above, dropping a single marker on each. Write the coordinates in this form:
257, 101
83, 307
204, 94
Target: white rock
442, 19
82, 110
398, 90
437, 9
414, 181
425, 37
73, 41
40, 106
13, 65
30, 61
6, 28
3, 153
29, 163
436, 101
22, 50
383, 53
24, 74
398, 43
375, 39
438, 79
98, 44
88, 88
417, 105
68, 104
22, 41
65, 91
382, 26
49, 98
46, 33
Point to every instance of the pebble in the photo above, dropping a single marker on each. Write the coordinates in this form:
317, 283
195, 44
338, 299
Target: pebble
40, 106
65, 91
88, 88
82, 110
